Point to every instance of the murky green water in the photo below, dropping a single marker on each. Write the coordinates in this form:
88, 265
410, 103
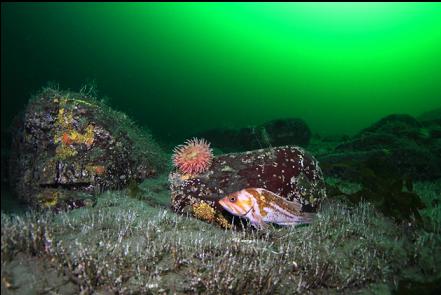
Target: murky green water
181, 68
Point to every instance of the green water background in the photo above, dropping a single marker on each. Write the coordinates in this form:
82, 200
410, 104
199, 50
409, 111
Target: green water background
178, 68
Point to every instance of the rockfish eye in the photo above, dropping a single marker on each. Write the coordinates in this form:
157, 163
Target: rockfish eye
232, 199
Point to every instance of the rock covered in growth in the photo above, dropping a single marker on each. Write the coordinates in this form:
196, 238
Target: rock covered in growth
287, 171
280, 132
405, 144
291, 131
73, 142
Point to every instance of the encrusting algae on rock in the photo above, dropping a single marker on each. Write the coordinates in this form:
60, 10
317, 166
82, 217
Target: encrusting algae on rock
205, 212
49, 198
66, 134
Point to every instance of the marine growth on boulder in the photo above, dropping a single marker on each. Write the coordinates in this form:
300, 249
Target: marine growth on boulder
69, 143
411, 147
287, 171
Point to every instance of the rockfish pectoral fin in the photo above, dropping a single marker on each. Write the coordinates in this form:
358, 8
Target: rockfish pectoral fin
256, 220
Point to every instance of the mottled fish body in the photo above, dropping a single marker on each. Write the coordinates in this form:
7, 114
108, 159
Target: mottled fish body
261, 206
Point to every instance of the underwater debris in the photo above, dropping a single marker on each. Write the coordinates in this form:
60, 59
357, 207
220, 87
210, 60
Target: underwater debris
286, 171
71, 141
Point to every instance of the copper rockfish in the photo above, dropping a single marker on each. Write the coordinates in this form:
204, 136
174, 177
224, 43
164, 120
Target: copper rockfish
261, 206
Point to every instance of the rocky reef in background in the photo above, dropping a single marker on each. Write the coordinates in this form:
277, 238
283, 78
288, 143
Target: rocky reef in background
68, 146
432, 115
280, 132
411, 148
385, 160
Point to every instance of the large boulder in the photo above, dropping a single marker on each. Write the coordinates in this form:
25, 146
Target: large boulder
288, 171
431, 115
432, 123
71, 142
406, 145
291, 131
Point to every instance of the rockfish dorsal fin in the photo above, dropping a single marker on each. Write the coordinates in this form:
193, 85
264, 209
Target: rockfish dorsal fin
292, 206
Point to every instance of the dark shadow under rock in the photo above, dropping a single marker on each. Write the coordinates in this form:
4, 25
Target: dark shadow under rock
382, 186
